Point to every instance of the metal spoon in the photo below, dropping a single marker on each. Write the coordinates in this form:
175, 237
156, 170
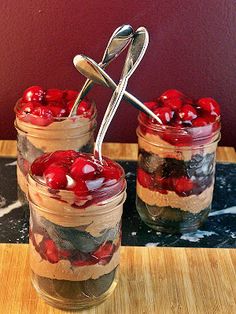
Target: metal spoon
117, 43
94, 72
134, 56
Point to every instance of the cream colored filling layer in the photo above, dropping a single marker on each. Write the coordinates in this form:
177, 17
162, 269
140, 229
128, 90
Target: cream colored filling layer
71, 133
63, 270
156, 145
193, 203
21, 180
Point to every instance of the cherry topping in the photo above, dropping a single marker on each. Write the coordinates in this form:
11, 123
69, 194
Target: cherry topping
70, 95
187, 113
57, 111
28, 107
80, 188
110, 172
172, 98
50, 251
55, 176
164, 113
199, 122
83, 109
83, 168
209, 104
41, 163
41, 116
171, 93
54, 94
151, 105
174, 103
33, 93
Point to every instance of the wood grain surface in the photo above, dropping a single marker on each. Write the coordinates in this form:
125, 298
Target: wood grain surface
152, 280
122, 151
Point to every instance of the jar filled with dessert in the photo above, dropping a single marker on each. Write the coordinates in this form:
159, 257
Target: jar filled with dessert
76, 206
176, 164
43, 125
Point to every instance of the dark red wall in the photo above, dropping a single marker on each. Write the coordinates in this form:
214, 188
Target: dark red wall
192, 48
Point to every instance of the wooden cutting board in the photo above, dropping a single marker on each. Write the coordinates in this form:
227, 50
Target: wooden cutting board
152, 280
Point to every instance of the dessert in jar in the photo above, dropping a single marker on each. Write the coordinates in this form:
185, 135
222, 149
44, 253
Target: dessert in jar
43, 125
76, 205
176, 164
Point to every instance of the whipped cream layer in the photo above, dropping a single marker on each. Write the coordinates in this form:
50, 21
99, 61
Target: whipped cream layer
193, 203
63, 270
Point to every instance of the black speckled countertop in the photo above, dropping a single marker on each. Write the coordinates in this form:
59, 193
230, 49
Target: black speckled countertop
218, 231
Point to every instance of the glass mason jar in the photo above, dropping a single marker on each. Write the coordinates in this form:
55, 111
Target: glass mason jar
175, 175
62, 133
75, 243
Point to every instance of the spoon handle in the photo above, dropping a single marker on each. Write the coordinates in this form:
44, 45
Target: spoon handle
84, 91
108, 116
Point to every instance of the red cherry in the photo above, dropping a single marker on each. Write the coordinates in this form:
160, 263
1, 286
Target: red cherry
171, 94
164, 113
54, 94
55, 176
182, 185
174, 103
28, 107
65, 156
177, 122
50, 251
83, 168
40, 164
110, 172
210, 105
104, 253
70, 95
42, 116
81, 188
199, 122
57, 111
33, 93
84, 108
187, 113
151, 105
144, 178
